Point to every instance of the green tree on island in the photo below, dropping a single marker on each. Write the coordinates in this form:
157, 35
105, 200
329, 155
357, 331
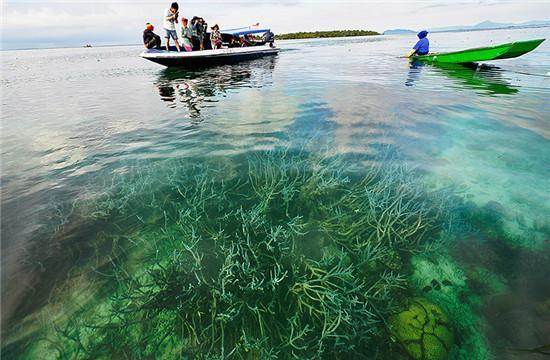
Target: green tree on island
326, 34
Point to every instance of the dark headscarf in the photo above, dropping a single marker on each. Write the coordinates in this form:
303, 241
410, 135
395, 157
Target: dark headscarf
422, 34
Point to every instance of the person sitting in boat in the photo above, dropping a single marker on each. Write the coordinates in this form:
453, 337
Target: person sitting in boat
422, 47
186, 35
234, 42
216, 37
249, 40
170, 19
243, 42
150, 39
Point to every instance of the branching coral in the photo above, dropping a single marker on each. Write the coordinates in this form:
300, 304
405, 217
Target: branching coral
286, 254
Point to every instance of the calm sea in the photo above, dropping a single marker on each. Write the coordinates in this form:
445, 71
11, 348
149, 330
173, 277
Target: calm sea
89, 133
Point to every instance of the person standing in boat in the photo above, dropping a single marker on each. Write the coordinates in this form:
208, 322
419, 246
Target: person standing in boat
150, 39
202, 28
194, 32
170, 19
216, 37
186, 35
422, 47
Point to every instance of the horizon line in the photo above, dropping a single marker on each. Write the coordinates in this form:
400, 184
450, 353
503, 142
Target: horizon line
507, 27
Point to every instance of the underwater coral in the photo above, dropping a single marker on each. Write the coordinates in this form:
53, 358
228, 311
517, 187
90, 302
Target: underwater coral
280, 254
424, 330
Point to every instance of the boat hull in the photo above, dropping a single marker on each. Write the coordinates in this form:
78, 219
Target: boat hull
504, 51
208, 58
520, 48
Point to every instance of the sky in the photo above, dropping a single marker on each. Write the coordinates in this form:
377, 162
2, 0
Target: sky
55, 23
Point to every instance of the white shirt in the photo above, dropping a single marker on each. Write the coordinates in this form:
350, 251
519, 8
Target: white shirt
169, 24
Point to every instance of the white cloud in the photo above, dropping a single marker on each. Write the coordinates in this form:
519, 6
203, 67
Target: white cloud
32, 23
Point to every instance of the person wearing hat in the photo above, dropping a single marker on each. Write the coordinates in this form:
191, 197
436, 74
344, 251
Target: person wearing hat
216, 37
150, 39
422, 47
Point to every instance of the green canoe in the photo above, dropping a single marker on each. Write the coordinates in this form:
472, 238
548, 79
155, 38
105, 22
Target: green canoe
504, 51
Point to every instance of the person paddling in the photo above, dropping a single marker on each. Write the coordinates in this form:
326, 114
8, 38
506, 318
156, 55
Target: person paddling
422, 47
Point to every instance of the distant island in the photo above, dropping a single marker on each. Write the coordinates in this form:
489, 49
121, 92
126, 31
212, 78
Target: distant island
489, 25
325, 34
398, 32
486, 25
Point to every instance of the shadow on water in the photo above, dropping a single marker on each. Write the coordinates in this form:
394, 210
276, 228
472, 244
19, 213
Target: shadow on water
196, 89
485, 79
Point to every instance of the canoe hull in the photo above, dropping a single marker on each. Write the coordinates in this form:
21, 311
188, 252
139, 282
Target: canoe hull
504, 51
521, 48
208, 58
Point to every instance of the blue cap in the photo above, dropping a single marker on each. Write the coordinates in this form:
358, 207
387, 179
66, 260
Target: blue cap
422, 34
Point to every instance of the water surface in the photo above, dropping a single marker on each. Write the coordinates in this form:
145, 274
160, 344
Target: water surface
83, 130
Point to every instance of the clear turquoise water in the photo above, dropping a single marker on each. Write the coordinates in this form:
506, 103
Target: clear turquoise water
85, 129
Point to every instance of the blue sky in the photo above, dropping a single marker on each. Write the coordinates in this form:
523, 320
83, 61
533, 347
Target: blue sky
47, 23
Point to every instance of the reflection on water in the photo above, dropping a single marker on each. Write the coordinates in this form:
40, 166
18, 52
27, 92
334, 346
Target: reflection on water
197, 89
104, 185
33, 271
483, 78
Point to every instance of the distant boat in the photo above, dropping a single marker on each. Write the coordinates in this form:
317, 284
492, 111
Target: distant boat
226, 55
87, 46
498, 52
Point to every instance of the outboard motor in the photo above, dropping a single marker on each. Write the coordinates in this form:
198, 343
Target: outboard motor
269, 37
